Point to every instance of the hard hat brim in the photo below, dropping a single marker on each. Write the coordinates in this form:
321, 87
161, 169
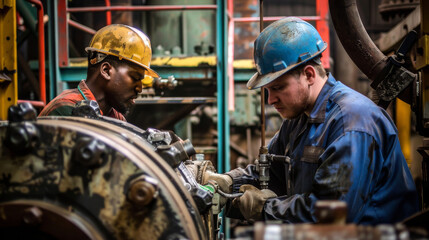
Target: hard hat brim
152, 73
258, 80
149, 71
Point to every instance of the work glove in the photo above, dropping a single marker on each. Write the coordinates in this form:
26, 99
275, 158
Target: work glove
251, 203
223, 181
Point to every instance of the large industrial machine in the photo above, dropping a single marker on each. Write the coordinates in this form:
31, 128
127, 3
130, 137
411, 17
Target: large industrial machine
92, 177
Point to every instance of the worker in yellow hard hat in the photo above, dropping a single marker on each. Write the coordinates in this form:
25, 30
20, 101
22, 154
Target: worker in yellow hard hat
118, 59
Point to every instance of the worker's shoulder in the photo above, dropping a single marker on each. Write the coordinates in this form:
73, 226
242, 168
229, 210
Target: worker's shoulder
62, 104
67, 97
358, 112
64, 110
351, 101
72, 94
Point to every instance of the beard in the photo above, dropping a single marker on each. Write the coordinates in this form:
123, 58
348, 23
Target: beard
121, 106
299, 106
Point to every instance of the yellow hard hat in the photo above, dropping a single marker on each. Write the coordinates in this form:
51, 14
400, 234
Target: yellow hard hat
147, 81
124, 42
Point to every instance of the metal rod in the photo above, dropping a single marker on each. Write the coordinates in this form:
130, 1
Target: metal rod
249, 144
41, 44
81, 27
34, 103
222, 128
231, 97
272, 19
322, 10
108, 13
261, 27
142, 8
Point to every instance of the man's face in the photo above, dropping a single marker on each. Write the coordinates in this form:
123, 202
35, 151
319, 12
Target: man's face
289, 95
124, 86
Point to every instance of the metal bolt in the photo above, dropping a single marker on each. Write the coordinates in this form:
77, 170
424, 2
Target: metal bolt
89, 152
21, 137
22, 112
185, 148
32, 216
170, 154
18, 136
143, 190
202, 198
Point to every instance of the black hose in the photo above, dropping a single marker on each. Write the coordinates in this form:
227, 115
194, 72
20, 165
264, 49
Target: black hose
229, 195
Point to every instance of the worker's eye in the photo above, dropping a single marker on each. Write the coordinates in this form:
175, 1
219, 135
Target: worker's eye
136, 76
276, 88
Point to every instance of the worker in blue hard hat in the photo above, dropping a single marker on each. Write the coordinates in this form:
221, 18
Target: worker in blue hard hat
340, 144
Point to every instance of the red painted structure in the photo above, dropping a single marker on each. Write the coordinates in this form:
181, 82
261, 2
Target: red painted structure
322, 10
41, 45
63, 22
142, 8
108, 13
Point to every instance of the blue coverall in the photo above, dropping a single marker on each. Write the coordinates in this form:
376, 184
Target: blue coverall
347, 149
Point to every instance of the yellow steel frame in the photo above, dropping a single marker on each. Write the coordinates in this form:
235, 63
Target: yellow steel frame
422, 61
403, 123
8, 57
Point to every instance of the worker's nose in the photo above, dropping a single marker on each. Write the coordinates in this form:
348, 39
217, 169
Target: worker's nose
271, 97
139, 86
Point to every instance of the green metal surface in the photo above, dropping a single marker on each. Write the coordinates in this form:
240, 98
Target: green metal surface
186, 30
222, 89
223, 156
243, 75
77, 73
247, 109
55, 75
29, 14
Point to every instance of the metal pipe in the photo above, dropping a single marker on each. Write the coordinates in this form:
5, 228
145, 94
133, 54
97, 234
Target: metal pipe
108, 13
262, 150
355, 39
272, 19
34, 103
41, 30
81, 27
223, 117
25, 13
142, 8
322, 10
231, 99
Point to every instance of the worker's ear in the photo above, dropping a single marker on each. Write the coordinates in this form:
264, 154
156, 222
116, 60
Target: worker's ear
310, 74
106, 70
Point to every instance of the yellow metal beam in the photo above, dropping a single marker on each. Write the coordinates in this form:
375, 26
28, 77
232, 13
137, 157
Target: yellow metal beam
184, 61
8, 57
403, 123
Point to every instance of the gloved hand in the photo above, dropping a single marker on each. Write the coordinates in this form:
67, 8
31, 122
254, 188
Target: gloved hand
251, 203
223, 181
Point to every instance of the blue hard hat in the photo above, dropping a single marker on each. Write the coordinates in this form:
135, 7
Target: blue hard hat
282, 46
